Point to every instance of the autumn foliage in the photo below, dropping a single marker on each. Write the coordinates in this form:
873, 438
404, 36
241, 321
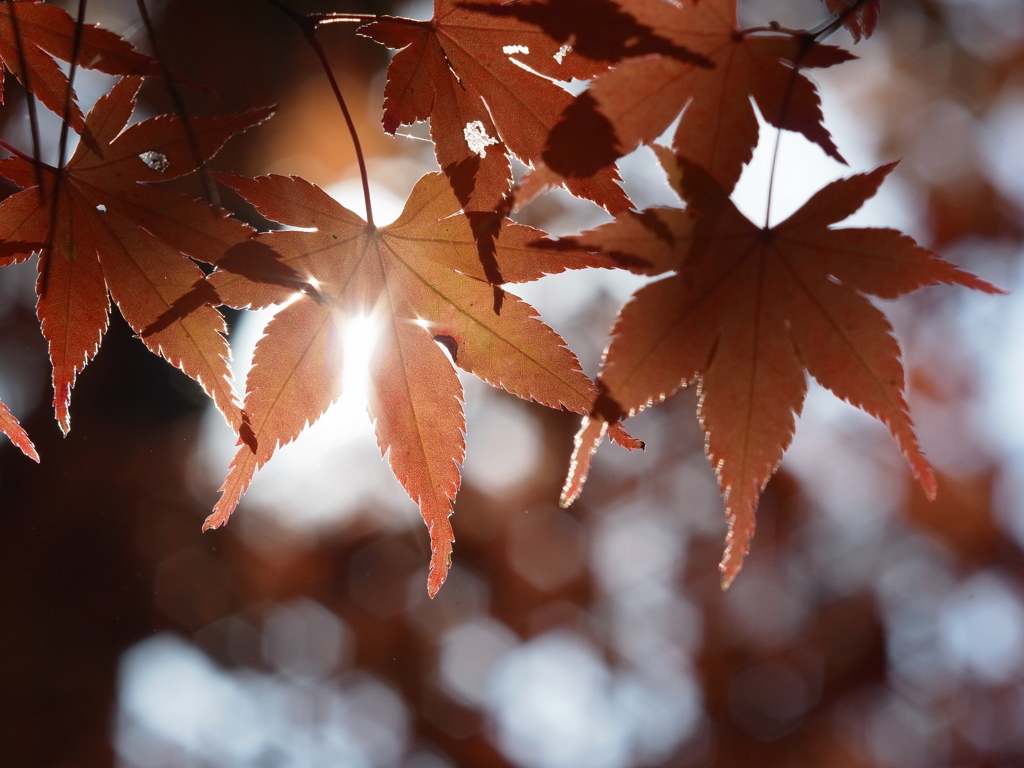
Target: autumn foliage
744, 312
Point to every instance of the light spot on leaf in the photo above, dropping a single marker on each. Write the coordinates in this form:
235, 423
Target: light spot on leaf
155, 161
562, 52
101, 208
358, 341
510, 49
477, 138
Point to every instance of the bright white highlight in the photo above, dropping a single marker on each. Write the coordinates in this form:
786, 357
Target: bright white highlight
358, 343
155, 161
562, 52
477, 138
510, 49
334, 469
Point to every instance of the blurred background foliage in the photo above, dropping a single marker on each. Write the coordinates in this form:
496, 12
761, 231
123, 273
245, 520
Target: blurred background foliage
868, 628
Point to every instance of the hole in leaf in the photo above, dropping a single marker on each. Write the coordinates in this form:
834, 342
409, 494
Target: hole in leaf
155, 161
449, 345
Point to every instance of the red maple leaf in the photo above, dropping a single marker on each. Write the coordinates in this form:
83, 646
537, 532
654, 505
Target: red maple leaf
470, 74
33, 34
858, 16
105, 227
423, 280
746, 313
10, 427
638, 100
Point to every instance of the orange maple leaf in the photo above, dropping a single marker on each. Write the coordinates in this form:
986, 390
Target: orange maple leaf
858, 16
104, 227
747, 312
33, 34
638, 100
470, 74
423, 280
10, 427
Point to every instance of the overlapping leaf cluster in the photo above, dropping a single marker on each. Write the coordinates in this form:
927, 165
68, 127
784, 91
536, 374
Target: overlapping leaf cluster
742, 311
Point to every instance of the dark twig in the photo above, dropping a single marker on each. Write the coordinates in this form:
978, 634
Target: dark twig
30, 100
62, 150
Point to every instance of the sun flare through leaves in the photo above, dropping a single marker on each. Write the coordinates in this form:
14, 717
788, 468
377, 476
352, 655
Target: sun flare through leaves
418, 279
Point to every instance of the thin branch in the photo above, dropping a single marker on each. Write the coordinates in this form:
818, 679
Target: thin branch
62, 147
30, 101
69, 96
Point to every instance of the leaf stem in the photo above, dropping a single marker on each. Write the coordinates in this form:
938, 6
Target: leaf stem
62, 144
62, 148
39, 164
771, 179
808, 41
308, 25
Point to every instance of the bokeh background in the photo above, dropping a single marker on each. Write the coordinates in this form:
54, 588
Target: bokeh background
868, 628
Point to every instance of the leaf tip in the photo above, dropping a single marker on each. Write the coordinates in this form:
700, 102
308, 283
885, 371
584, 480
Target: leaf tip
732, 559
441, 539
63, 415
390, 124
588, 438
215, 520
742, 522
926, 479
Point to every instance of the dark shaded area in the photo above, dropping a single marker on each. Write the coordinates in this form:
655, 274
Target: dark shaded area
597, 29
486, 226
584, 141
74, 585
201, 294
449, 343
258, 262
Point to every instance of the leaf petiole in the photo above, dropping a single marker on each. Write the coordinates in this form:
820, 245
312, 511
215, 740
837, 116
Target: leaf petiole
4, 144
309, 25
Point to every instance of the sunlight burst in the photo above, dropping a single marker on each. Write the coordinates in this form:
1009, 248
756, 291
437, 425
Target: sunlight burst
358, 341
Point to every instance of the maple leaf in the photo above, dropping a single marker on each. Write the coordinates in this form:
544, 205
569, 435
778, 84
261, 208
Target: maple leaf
422, 279
747, 312
33, 34
104, 227
638, 100
470, 74
10, 427
858, 16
